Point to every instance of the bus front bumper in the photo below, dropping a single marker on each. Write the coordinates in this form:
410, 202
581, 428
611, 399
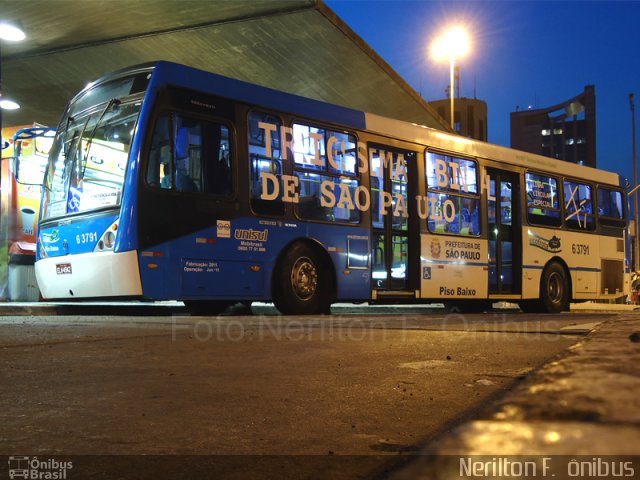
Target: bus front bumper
89, 275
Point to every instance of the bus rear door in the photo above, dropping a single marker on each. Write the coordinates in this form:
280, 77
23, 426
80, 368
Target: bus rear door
394, 253
505, 244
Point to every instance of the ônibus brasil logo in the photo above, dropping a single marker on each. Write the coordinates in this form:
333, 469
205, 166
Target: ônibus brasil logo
34, 468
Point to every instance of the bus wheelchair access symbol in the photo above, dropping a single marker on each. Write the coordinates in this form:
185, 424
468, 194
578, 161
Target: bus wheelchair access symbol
18, 467
426, 273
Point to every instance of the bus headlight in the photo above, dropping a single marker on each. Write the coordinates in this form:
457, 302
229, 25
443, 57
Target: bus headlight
108, 239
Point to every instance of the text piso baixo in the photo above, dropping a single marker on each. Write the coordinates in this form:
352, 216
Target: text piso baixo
449, 175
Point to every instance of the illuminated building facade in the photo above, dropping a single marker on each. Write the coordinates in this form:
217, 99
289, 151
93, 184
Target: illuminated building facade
566, 131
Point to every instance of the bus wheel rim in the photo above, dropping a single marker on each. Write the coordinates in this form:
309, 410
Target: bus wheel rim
555, 287
304, 278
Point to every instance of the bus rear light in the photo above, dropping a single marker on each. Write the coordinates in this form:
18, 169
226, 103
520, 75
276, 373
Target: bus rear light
255, 268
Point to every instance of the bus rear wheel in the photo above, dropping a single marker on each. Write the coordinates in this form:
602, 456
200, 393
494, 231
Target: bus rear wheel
302, 282
554, 291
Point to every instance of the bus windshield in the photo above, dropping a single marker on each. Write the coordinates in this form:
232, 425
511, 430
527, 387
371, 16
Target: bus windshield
88, 159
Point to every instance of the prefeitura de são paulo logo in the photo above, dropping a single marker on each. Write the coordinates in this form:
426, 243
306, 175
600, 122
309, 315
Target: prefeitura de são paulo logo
38, 469
436, 249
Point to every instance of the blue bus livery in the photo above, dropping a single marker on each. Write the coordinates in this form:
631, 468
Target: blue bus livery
167, 182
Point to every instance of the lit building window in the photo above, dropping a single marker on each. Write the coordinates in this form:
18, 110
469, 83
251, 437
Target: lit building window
546, 132
557, 131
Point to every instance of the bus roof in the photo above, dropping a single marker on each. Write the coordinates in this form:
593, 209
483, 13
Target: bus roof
180, 75
476, 148
189, 77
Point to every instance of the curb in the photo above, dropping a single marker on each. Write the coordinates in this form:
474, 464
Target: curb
585, 402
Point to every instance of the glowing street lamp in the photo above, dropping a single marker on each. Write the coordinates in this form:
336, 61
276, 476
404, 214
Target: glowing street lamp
454, 43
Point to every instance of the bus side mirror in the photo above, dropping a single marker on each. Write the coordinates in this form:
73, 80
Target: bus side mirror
31, 149
15, 167
15, 164
23, 171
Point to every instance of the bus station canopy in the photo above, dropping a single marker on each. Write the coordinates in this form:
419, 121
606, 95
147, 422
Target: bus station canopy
298, 46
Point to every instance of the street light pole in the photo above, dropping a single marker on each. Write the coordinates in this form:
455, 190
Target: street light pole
452, 87
453, 43
635, 183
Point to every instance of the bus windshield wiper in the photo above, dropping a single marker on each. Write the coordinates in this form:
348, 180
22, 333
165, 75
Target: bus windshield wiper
65, 150
112, 102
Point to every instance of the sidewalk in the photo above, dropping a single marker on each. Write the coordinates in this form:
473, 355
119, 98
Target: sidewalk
584, 403
132, 307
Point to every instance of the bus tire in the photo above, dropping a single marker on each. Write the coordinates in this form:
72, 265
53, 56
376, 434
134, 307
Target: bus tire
206, 307
554, 289
302, 282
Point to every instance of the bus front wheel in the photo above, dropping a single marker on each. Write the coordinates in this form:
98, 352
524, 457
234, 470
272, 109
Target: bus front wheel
302, 282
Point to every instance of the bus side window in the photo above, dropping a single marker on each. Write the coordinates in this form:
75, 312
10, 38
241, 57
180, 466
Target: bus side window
265, 158
610, 207
218, 173
452, 195
325, 165
160, 158
196, 158
578, 207
188, 155
543, 206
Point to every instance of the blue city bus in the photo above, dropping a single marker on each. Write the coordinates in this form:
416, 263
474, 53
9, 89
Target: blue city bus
170, 183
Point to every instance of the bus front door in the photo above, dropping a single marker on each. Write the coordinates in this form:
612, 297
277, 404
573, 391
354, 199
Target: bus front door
390, 171
505, 246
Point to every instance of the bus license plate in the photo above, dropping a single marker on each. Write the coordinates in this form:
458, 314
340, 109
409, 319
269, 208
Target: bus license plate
63, 268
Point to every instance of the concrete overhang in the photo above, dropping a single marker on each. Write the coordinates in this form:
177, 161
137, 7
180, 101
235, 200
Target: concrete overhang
298, 46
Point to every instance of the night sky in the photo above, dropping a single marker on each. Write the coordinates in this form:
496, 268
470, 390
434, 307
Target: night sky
523, 54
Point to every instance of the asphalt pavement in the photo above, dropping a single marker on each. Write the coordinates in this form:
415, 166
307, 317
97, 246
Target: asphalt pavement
581, 410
